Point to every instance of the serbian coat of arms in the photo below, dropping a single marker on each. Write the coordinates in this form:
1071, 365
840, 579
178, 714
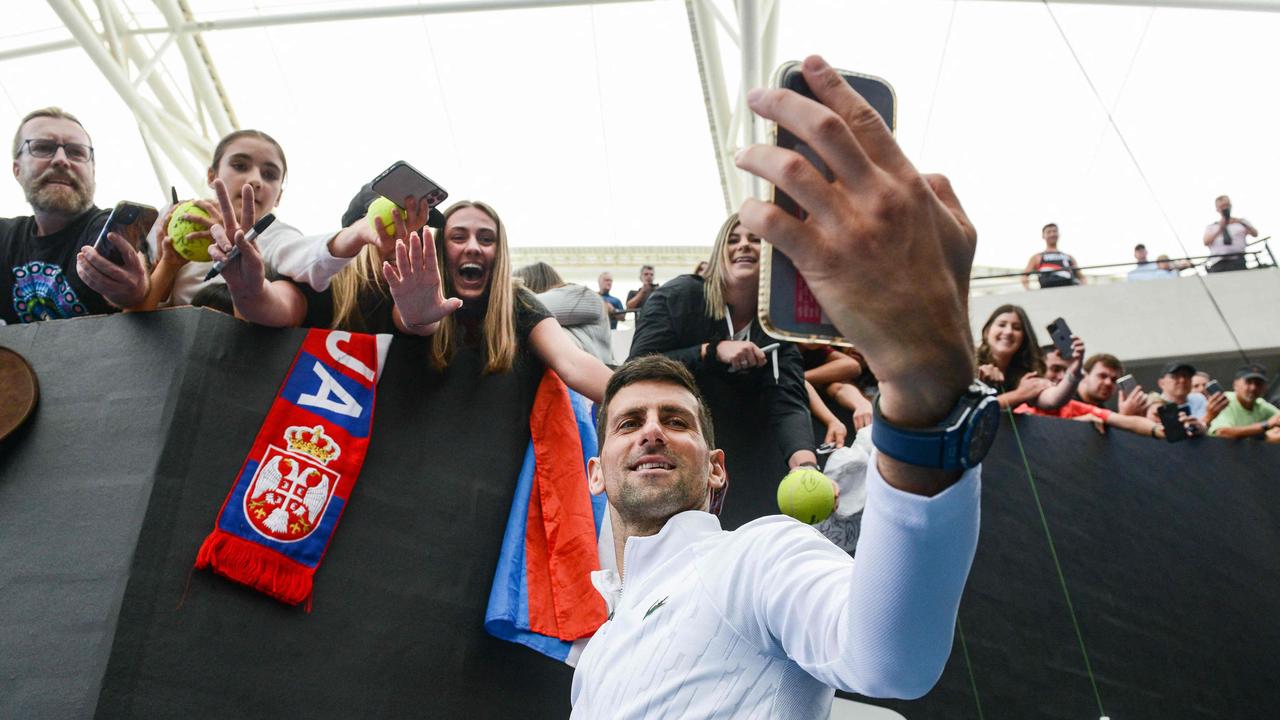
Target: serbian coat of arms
292, 487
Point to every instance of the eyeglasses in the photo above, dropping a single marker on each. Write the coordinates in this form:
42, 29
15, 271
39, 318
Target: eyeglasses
45, 149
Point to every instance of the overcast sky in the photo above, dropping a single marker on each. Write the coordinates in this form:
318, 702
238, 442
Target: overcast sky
586, 126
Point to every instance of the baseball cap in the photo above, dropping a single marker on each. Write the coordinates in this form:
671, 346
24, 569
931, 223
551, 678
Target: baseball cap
1250, 372
1175, 366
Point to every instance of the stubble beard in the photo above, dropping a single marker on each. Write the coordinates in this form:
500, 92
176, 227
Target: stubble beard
646, 509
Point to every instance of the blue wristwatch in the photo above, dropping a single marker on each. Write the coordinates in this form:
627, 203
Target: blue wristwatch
957, 443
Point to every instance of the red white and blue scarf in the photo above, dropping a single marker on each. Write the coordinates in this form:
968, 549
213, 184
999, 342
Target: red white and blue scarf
276, 524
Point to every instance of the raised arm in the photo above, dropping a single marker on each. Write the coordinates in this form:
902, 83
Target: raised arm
1055, 396
867, 233
578, 369
274, 304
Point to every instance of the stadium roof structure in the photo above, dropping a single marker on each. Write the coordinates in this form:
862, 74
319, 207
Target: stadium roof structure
615, 122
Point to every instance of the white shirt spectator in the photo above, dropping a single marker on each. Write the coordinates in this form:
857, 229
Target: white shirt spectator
1235, 229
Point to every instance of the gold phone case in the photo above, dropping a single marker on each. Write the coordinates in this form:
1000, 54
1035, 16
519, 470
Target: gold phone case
766, 249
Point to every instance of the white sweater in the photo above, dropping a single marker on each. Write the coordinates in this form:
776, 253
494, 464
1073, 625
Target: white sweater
285, 251
764, 621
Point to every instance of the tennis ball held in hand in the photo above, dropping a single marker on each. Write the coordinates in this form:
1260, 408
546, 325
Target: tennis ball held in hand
196, 249
806, 495
382, 211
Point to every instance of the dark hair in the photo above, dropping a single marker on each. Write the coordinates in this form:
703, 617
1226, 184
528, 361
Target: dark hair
645, 267
1140, 246
1027, 359
539, 277
1108, 361
657, 368
221, 148
1047, 226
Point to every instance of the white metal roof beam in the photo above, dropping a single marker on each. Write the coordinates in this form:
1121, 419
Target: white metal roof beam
258, 21
1245, 5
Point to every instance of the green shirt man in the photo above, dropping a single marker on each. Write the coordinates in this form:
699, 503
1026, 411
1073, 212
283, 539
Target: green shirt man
1247, 414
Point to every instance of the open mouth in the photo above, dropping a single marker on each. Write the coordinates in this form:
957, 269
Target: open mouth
745, 260
471, 272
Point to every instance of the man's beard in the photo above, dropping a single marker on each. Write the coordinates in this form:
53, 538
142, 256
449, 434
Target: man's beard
56, 199
650, 508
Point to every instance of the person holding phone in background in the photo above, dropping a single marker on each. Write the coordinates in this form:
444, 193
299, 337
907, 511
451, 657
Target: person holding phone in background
1010, 360
1226, 238
1101, 371
709, 325
1196, 411
48, 267
1247, 414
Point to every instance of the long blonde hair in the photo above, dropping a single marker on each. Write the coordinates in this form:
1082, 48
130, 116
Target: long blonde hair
715, 287
362, 275
499, 327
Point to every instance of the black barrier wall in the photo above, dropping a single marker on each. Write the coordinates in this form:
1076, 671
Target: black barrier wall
1171, 553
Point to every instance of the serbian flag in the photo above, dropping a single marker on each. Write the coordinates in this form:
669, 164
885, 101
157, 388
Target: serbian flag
542, 595
284, 506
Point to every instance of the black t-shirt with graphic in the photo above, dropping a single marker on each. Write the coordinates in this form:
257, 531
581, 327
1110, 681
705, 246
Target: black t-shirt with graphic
38, 279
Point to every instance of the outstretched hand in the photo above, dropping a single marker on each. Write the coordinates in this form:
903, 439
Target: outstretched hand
246, 275
868, 233
415, 286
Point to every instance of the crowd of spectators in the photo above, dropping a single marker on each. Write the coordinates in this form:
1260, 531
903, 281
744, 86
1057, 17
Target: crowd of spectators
447, 275
1225, 240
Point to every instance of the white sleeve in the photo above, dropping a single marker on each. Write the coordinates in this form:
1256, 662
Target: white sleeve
304, 258
880, 625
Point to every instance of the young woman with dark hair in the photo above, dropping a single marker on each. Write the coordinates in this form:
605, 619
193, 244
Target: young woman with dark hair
1010, 360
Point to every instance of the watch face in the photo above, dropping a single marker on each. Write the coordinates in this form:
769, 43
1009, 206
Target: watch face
982, 431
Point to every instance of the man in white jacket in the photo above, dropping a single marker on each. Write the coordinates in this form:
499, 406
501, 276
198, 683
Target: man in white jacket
764, 621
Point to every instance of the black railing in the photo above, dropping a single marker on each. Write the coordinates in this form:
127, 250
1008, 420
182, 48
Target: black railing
1261, 257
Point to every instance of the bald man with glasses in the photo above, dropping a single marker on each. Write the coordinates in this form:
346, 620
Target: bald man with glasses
48, 269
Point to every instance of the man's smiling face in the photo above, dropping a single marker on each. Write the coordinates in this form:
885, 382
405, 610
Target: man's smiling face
654, 462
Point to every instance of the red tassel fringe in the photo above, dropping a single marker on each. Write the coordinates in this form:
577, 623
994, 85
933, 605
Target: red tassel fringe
255, 566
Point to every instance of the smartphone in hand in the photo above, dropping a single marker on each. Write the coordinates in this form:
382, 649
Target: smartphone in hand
1127, 385
1061, 335
787, 309
402, 180
1174, 430
1213, 388
129, 219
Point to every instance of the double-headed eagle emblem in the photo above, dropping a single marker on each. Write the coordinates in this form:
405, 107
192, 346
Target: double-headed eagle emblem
291, 489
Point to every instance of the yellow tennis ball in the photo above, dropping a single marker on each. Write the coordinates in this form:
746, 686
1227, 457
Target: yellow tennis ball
382, 211
806, 495
179, 228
